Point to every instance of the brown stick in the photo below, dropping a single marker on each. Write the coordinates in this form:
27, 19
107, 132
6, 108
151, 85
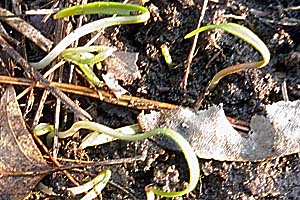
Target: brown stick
38, 77
124, 100
192, 49
27, 30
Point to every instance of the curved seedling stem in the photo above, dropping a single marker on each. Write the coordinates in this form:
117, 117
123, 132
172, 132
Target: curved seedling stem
245, 34
187, 150
132, 14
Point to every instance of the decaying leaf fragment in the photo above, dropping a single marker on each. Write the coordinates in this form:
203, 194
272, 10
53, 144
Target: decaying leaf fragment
18, 152
113, 85
120, 65
212, 136
123, 66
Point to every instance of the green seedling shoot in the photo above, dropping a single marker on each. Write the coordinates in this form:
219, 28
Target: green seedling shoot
85, 59
167, 56
94, 186
246, 35
187, 150
128, 14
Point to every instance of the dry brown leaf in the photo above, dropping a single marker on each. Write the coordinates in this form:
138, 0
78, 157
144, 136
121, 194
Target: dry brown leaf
212, 136
18, 152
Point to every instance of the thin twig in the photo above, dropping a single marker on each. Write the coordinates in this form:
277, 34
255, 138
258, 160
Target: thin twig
45, 149
55, 3
57, 120
7, 36
193, 47
27, 30
16, 5
73, 166
123, 189
60, 34
292, 8
24, 92
29, 103
41, 12
124, 100
284, 91
39, 111
38, 77
53, 68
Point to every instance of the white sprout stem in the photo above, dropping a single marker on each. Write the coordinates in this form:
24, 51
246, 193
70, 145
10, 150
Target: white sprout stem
86, 29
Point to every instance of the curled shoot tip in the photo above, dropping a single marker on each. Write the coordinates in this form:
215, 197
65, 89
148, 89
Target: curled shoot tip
84, 58
245, 34
127, 14
43, 128
95, 186
84, 55
188, 152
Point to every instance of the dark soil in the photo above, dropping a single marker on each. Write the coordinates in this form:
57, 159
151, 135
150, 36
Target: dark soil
242, 95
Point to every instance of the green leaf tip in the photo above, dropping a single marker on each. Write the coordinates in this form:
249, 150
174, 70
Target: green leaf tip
107, 8
243, 33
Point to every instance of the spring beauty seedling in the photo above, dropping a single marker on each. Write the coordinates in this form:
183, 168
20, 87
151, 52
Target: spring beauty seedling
246, 35
186, 148
129, 14
85, 58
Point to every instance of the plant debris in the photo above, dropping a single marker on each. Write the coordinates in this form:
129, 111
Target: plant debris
212, 136
123, 65
113, 85
28, 30
18, 152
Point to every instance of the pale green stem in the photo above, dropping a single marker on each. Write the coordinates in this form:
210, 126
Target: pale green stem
245, 34
95, 8
187, 150
97, 185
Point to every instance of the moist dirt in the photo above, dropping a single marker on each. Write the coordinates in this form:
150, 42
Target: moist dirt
242, 95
